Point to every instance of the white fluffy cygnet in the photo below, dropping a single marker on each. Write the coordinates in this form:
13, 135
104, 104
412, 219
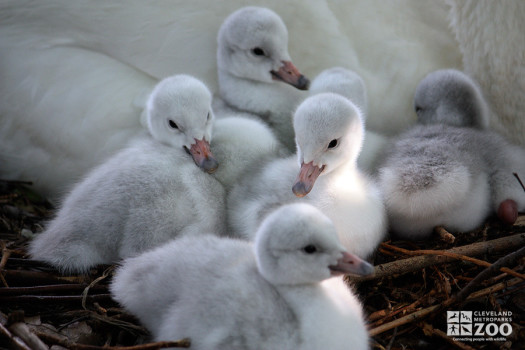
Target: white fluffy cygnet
255, 71
148, 193
275, 293
349, 84
329, 134
448, 171
238, 143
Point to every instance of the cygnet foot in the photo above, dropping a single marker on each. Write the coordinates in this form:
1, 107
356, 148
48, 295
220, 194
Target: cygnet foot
508, 211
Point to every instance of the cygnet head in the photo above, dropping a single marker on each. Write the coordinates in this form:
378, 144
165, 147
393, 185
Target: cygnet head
344, 82
329, 133
450, 97
179, 114
253, 44
298, 244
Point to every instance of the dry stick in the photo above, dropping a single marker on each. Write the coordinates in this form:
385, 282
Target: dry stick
400, 267
519, 180
438, 332
22, 330
424, 312
485, 274
455, 256
17, 342
5, 255
92, 284
183, 343
37, 277
48, 289
403, 320
444, 235
35, 299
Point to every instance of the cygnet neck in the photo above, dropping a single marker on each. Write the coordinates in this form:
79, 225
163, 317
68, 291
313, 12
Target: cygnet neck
258, 97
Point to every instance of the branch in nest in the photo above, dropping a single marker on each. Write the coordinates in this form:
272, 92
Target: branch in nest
488, 272
404, 266
183, 343
455, 256
429, 330
420, 314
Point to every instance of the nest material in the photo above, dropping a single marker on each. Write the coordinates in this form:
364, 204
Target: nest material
405, 302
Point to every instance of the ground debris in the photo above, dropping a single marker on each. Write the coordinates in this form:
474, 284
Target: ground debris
406, 306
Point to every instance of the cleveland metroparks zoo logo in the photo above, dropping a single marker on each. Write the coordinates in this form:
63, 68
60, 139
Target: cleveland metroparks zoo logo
479, 325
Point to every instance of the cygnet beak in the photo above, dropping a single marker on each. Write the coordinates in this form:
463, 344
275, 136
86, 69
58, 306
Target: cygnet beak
306, 179
201, 154
289, 74
353, 264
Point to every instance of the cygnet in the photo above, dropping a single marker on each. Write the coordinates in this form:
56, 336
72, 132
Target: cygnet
148, 193
240, 142
349, 84
329, 134
280, 292
448, 171
253, 63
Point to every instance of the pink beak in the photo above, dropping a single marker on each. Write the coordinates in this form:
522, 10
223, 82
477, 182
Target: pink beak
288, 73
306, 179
201, 154
351, 263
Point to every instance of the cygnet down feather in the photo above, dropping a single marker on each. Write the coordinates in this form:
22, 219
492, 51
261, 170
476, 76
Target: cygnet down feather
329, 134
280, 292
448, 170
255, 71
148, 193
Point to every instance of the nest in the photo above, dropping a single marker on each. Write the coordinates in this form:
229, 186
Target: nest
406, 301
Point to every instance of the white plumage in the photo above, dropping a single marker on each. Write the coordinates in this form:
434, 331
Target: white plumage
255, 71
239, 143
233, 294
329, 134
146, 194
71, 70
449, 171
350, 85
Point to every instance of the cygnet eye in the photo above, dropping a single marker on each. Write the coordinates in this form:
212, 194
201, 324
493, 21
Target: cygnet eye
333, 144
418, 109
208, 117
310, 249
258, 51
172, 124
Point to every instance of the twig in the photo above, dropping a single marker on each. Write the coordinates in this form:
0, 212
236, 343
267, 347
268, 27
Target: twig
488, 272
183, 343
92, 284
48, 289
425, 312
37, 277
404, 266
404, 320
5, 255
35, 299
455, 256
519, 180
444, 235
22, 330
391, 342
429, 330
19, 343
16, 341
